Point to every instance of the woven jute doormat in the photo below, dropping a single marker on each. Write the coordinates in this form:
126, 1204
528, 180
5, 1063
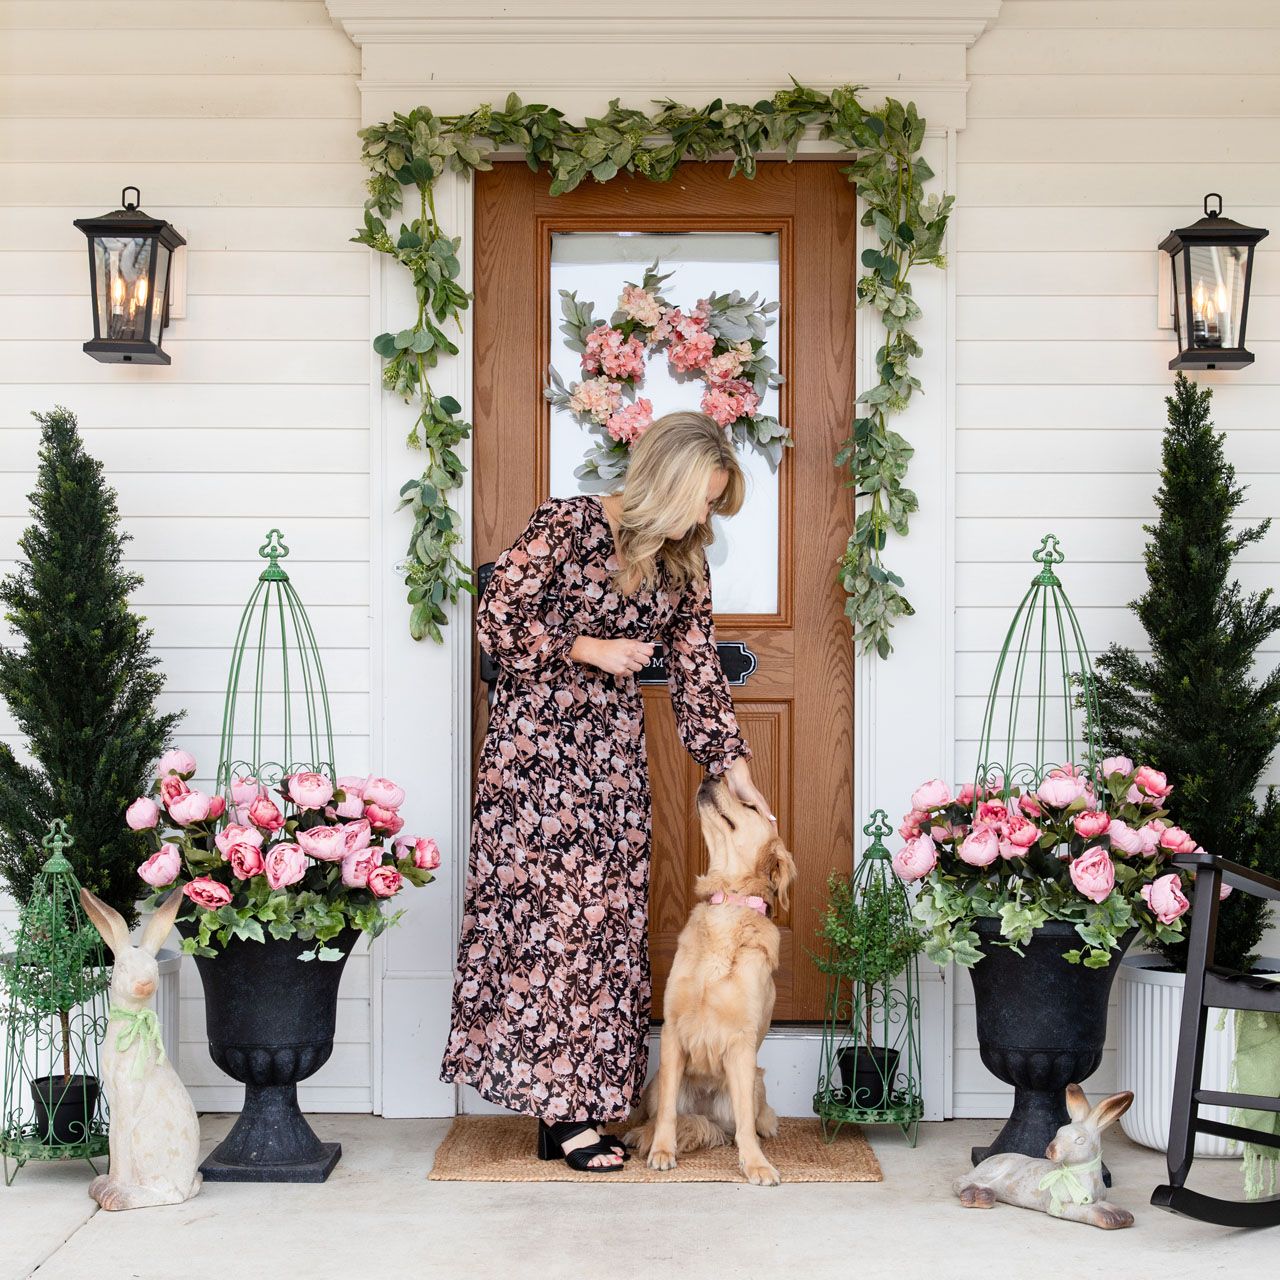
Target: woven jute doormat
501, 1149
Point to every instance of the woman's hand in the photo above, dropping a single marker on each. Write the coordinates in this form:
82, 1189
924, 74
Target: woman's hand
738, 778
614, 657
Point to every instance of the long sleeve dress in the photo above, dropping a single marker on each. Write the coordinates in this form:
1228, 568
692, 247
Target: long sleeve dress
551, 996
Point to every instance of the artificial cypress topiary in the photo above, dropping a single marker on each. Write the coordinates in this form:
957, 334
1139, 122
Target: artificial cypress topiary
81, 681
1194, 709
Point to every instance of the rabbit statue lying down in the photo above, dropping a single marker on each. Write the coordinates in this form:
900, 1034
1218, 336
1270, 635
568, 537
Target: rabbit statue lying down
155, 1136
1068, 1182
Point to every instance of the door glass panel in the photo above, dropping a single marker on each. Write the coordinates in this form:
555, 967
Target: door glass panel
596, 266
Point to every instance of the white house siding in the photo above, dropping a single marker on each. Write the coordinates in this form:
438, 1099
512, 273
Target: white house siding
237, 122
1093, 129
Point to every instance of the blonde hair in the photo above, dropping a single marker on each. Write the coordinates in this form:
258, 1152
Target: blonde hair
664, 494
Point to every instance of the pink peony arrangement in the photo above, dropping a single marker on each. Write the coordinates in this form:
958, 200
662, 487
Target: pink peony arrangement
307, 858
720, 341
1090, 848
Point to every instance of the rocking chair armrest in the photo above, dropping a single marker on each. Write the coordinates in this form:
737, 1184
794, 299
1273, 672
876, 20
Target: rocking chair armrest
1243, 878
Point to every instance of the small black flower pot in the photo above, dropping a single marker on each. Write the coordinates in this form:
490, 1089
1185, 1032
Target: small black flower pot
65, 1108
270, 1018
1042, 1024
867, 1073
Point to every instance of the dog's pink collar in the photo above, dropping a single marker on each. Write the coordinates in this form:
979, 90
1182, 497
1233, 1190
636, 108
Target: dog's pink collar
739, 900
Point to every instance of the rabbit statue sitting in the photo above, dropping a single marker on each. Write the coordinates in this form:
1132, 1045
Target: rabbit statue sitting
155, 1136
1068, 1182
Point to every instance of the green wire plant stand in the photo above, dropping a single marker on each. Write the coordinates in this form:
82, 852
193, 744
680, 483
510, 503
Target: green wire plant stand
276, 649
870, 1065
54, 1017
1044, 647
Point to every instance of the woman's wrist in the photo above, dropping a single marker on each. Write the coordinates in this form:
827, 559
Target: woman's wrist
583, 649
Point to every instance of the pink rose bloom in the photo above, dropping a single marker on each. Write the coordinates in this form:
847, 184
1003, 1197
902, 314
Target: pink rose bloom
246, 861
993, 813
1175, 840
1094, 874
1165, 898
1124, 839
356, 867
980, 848
384, 821
1090, 824
175, 762
1150, 836
424, 851
353, 786
1060, 792
1021, 833
912, 824
1152, 782
310, 790
628, 424
1224, 892
142, 815
217, 806
263, 813
233, 833
384, 882
207, 893
964, 797
245, 789
383, 792
325, 844
931, 795
171, 787
162, 868
1116, 764
286, 864
1030, 806
192, 807
915, 859
357, 835
351, 805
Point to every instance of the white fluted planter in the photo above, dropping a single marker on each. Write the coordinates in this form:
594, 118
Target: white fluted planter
1150, 1014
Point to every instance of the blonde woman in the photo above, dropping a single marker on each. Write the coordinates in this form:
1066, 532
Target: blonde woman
551, 997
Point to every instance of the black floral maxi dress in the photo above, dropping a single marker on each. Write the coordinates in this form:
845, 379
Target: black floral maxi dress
551, 997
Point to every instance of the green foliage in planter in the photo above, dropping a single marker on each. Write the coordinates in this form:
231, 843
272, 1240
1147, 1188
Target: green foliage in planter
870, 936
81, 682
1194, 708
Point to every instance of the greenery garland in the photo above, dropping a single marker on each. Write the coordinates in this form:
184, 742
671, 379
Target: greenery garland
413, 150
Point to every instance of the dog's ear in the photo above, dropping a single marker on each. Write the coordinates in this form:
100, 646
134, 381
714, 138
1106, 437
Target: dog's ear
779, 868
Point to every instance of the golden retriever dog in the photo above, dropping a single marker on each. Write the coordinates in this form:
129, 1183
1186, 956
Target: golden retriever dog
719, 998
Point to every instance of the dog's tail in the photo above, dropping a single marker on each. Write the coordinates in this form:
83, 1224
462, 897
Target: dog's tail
695, 1132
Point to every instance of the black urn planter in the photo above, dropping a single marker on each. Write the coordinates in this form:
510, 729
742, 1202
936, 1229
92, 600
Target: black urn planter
1042, 1024
270, 1019
65, 1108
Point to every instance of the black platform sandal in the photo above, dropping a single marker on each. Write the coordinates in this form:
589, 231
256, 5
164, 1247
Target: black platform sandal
551, 1140
616, 1143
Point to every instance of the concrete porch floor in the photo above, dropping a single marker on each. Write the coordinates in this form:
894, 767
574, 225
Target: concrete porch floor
379, 1215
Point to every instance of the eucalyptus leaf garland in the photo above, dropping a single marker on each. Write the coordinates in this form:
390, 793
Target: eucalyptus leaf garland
413, 150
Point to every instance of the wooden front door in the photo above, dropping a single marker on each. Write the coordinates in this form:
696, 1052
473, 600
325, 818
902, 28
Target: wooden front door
776, 590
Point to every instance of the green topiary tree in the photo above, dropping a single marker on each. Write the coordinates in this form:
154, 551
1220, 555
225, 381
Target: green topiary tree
1194, 709
81, 683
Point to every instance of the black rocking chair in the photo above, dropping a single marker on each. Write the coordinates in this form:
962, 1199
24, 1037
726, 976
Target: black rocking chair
1209, 987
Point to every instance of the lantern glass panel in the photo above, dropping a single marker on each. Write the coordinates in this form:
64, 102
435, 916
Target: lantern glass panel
122, 274
1180, 311
1217, 293
160, 292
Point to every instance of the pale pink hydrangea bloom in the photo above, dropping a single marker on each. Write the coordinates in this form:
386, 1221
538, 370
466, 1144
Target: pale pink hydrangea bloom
597, 397
726, 404
629, 424
608, 351
726, 367
641, 306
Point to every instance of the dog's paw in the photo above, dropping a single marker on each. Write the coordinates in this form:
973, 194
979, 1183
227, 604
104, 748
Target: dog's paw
767, 1123
662, 1159
975, 1197
760, 1173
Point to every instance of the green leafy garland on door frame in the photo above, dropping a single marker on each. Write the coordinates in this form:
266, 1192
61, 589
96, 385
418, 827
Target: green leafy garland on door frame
413, 150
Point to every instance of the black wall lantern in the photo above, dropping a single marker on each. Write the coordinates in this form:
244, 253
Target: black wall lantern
130, 261
1212, 265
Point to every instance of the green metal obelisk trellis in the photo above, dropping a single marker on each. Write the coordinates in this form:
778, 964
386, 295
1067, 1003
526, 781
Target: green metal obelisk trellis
870, 1065
281, 724
54, 1020
1043, 649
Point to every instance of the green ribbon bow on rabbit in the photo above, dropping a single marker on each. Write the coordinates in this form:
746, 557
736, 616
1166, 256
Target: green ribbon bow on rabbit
1063, 1184
140, 1026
